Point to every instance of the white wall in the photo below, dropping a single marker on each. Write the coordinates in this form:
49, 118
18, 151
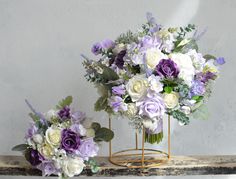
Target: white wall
40, 46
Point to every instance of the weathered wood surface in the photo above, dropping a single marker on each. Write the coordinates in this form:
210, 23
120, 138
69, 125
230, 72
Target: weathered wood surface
177, 165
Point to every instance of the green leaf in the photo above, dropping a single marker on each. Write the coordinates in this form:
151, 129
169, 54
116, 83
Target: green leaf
168, 89
191, 45
201, 113
100, 104
108, 74
209, 57
197, 98
95, 126
181, 117
20, 147
104, 134
64, 102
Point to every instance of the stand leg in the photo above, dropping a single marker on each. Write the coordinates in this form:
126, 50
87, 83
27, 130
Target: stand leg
143, 138
110, 152
168, 136
136, 140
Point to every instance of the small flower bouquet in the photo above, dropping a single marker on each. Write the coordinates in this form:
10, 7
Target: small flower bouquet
62, 141
152, 72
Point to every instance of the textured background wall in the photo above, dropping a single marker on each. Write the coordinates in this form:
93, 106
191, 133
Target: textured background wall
40, 46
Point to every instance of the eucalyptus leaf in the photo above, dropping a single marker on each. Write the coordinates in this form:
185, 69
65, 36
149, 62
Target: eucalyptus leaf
95, 126
181, 117
104, 134
100, 104
20, 147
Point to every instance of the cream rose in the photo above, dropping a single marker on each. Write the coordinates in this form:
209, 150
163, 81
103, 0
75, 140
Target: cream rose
137, 87
46, 150
153, 56
53, 136
73, 166
171, 100
185, 65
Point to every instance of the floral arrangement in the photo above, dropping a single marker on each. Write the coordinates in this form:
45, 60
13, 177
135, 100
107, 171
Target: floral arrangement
155, 71
62, 141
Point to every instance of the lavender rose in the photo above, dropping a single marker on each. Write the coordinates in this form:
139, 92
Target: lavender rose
96, 48
35, 158
70, 140
151, 107
167, 68
88, 148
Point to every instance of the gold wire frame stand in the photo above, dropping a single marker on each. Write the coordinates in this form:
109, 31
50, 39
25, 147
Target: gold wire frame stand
139, 157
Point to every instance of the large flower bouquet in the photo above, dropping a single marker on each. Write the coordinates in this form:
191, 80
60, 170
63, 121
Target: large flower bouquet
152, 72
62, 141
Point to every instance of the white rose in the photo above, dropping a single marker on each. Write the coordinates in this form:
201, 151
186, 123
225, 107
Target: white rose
185, 66
38, 139
51, 114
155, 83
186, 110
153, 56
137, 87
53, 136
73, 166
171, 100
46, 150
90, 132
132, 109
197, 59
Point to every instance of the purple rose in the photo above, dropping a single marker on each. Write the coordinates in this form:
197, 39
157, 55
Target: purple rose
107, 43
167, 68
151, 107
197, 89
35, 158
70, 140
88, 148
96, 48
64, 113
118, 90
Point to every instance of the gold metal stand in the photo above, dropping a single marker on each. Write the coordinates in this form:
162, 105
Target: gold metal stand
139, 157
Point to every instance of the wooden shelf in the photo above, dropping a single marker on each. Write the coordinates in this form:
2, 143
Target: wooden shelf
177, 165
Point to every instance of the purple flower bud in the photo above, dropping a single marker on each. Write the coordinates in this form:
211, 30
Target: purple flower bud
219, 61
96, 48
64, 113
167, 68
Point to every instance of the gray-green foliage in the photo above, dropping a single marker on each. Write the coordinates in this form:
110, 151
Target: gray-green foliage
180, 116
127, 38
